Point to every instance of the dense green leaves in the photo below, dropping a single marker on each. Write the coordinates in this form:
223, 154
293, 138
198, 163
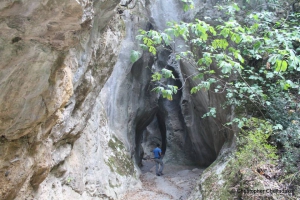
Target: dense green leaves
167, 92
220, 43
156, 76
210, 113
167, 73
281, 65
205, 85
262, 58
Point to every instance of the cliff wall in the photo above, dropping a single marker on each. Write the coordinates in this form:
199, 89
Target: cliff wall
76, 116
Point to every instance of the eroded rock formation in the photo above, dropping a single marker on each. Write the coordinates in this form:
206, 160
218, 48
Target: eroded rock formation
75, 112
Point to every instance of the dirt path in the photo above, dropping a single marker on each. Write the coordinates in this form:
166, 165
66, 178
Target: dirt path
176, 183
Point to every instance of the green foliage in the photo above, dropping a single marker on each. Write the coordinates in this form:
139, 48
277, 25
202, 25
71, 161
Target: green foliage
69, 179
285, 113
134, 56
167, 73
261, 55
253, 153
230, 9
211, 112
167, 93
253, 147
239, 121
284, 110
188, 4
156, 76
203, 85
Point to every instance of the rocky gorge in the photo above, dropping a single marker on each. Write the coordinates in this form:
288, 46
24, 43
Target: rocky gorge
77, 117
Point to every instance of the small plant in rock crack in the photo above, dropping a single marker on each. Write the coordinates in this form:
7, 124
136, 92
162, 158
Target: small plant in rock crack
69, 179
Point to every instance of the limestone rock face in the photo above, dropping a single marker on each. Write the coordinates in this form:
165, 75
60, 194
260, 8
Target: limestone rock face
76, 116
53, 55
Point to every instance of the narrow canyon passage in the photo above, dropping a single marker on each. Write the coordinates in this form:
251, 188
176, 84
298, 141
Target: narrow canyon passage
180, 169
177, 127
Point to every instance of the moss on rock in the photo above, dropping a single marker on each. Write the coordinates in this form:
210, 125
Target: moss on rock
120, 162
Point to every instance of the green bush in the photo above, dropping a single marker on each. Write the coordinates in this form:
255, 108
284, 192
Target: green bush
253, 146
253, 154
288, 139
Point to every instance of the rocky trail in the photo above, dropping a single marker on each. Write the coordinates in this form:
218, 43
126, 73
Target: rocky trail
176, 183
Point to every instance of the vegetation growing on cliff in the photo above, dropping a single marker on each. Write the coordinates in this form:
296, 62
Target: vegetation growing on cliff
119, 161
256, 63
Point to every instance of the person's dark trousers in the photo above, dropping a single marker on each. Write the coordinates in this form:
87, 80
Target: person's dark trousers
159, 169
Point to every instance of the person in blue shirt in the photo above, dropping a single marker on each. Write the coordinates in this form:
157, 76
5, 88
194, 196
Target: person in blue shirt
159, 165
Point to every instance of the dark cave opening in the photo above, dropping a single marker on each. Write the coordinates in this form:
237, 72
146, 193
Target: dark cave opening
185, 137
163, 131
157, 136
152, 130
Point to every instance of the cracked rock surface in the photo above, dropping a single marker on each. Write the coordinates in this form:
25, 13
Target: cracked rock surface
77, 116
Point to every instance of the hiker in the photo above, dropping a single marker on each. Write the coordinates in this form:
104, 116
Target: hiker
158, 161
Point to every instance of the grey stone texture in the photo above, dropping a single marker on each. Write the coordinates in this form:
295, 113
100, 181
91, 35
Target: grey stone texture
76, 116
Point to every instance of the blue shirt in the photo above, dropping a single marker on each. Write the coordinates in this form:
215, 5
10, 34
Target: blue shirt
156, 152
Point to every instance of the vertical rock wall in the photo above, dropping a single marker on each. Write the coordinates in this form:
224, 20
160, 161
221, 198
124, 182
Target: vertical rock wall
73, 108
55, 58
